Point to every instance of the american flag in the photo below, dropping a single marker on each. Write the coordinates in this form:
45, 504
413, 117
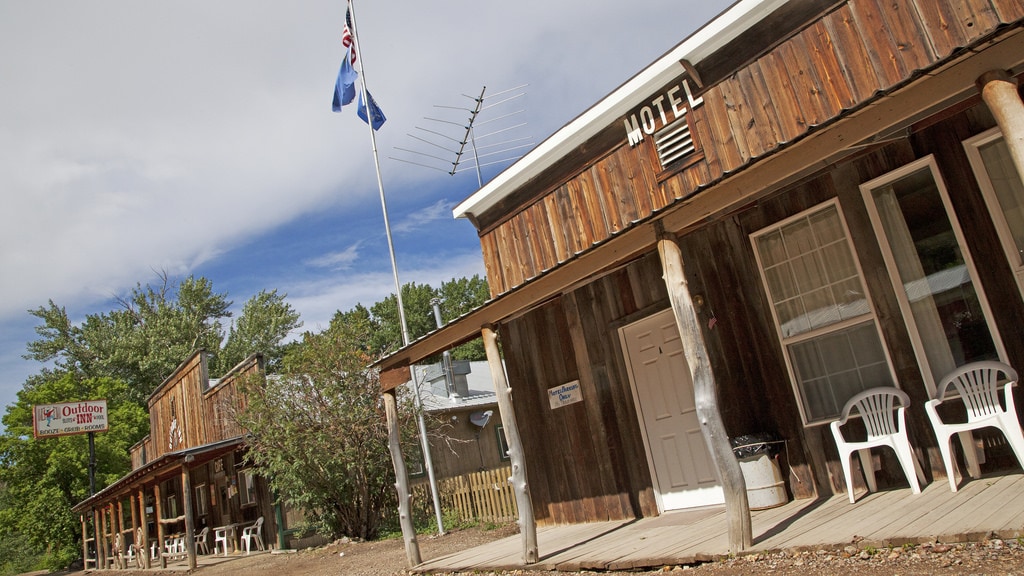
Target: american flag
346, 37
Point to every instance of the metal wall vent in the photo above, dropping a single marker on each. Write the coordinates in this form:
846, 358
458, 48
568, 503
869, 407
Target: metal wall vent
674, 142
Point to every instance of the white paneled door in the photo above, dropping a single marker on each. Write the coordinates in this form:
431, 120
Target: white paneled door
683, 472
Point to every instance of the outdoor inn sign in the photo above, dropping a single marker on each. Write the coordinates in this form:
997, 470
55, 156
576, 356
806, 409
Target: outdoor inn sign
69, 418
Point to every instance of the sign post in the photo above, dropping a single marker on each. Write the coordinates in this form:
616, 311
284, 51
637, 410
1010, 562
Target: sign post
65, 419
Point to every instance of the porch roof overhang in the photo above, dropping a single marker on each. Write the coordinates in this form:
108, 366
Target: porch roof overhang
885, 114
158, 468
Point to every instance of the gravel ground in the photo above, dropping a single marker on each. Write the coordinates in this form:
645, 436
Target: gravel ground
387, 558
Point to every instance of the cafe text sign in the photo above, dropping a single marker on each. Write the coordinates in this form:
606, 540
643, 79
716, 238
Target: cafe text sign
69, 418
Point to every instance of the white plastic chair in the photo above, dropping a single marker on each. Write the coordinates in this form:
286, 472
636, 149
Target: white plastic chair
978, 385
251, 533
886, 426
201, 545
220, 539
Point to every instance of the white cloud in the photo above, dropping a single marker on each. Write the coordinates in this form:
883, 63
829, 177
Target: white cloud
422, 219
318, 299
171, 136
342, 260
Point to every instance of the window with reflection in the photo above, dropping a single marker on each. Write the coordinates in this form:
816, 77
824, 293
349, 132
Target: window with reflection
822, 313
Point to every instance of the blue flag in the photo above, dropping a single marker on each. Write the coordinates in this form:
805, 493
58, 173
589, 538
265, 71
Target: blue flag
345, 85
375, 112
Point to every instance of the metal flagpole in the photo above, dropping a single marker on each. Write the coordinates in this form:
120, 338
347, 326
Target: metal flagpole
376, 165
424, 443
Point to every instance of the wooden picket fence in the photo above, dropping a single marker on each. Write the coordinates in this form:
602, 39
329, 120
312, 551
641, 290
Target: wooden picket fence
485, 496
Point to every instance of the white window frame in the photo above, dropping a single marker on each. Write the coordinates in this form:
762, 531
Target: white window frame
499, 432
787, 341
972, 146
247, 487
890, 262
202, 503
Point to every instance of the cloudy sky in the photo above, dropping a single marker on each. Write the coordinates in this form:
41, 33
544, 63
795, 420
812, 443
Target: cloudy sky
197, 137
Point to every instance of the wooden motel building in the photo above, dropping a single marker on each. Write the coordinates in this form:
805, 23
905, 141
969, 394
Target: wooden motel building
802, 200
189, 482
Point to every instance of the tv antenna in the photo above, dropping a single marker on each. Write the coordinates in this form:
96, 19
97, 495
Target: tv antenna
455, 146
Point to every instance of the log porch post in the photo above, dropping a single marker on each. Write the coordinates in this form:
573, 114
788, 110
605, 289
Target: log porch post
97, 540
85, 541
412, 546
158, 514
706, 394
133, 504
102, 540
117, 509
520, 485
999, 91
190, 523
144, 544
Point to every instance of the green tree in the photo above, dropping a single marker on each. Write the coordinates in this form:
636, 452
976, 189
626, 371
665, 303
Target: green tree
263, 325
457, 297
121, 355
419, 317
42, 479
318, 430
142, 341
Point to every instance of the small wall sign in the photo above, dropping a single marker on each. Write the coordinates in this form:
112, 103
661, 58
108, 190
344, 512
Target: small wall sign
568, 393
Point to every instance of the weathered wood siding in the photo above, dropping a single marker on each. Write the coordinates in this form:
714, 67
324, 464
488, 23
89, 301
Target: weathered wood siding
587, 461
854, 53
176, 410
196, 413
223, 400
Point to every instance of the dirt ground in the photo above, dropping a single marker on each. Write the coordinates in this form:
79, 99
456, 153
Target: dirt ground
387, 558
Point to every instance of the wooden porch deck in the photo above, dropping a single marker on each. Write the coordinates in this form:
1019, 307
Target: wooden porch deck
984, 507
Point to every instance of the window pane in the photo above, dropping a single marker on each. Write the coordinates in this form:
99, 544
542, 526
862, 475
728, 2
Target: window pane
840, 261
823, 293
792, 320
799, 238
833, 367
771, 249
944, 304
780, 282
816, 268
849, 298
808, 272
827, 227
821, 310
1008, 188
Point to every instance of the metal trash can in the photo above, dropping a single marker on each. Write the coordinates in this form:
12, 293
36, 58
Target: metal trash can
757, 456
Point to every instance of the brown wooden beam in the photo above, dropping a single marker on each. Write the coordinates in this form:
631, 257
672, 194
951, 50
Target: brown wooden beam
158, 514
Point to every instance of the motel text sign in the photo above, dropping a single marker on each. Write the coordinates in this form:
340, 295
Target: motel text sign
69, 418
